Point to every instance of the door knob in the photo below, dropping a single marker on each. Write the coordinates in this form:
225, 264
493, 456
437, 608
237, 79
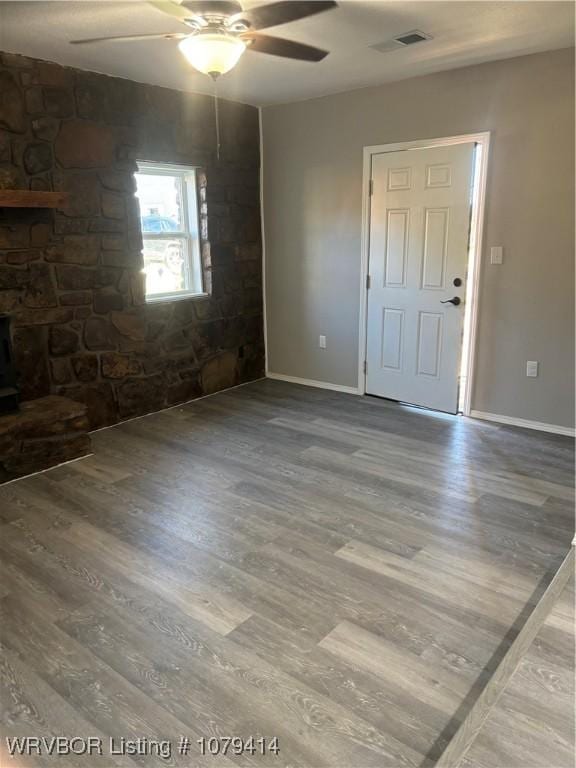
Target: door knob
456, 301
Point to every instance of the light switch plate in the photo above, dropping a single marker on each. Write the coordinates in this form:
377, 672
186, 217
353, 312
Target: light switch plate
322, 342
496, 254
532, 368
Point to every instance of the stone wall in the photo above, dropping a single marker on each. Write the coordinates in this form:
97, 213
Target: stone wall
71, 279
44, 432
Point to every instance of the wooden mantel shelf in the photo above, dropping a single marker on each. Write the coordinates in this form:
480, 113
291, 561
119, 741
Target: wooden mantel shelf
24, 198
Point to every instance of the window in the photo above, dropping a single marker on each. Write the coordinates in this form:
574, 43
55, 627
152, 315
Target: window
169, 222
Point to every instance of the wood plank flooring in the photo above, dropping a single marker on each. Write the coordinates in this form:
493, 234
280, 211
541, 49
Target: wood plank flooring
486, 700
343, 573
532, 725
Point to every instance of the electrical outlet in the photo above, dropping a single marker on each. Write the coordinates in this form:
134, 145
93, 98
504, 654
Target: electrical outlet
496, 254
532, 368
322, 342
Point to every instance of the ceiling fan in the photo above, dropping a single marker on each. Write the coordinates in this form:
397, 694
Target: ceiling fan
219, 31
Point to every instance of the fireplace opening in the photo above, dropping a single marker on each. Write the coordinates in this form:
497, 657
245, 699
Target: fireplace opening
8, 388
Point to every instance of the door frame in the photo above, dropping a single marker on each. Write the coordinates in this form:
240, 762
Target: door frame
475, 257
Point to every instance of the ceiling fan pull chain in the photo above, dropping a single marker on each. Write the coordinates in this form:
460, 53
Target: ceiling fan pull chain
217, 117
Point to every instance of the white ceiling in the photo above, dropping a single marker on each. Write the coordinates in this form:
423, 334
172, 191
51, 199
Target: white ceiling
464, 33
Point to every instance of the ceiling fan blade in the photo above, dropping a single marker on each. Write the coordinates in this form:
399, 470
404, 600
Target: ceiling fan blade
273, 14
121, 38
278, 46
172, 9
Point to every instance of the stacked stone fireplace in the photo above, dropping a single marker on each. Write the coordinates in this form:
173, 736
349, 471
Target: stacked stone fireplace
71, 279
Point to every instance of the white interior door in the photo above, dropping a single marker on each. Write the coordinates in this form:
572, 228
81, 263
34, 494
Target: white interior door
419, 230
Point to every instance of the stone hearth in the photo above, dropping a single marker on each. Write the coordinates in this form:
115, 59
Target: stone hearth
45, 432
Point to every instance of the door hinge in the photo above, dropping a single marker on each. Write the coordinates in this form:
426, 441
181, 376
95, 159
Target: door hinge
371, 187
368, 283
365, 367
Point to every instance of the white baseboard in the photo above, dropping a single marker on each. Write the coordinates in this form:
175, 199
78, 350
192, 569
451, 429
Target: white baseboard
311, 383
539, 425
48, 469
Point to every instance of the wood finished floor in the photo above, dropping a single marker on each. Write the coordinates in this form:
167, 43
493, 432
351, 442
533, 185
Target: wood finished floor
532, 725
341, 572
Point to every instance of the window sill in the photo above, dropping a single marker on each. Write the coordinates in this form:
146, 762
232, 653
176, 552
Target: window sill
168, 297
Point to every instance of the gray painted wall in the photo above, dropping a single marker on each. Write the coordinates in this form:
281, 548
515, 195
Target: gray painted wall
312, 217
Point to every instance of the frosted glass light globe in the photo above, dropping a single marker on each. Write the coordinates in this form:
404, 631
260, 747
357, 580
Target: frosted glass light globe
212, 53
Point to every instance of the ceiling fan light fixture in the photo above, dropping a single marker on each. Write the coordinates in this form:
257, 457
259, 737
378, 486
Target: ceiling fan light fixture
213, 53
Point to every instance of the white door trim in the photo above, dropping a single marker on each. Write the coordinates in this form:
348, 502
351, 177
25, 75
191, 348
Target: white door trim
477, 223
263, 238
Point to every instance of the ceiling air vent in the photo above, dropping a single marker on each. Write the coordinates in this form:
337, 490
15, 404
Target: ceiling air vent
401, 41
410, 38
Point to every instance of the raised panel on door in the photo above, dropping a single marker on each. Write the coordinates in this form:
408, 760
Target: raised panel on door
435, 247
429, 344
438, 176
392, 336
399, 179
396, 248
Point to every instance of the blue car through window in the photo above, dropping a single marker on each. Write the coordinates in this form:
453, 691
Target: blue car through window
156, 224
